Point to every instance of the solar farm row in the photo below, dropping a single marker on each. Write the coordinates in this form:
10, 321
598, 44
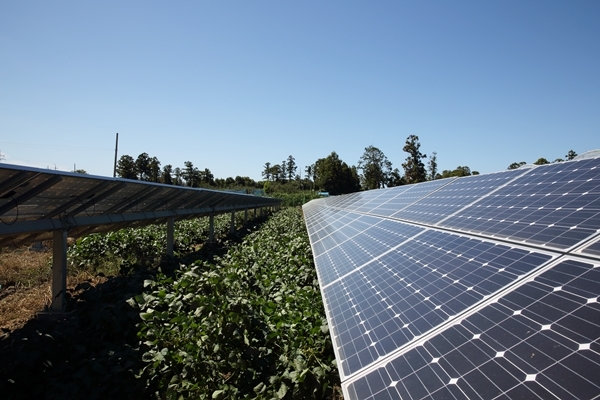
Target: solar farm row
477, 287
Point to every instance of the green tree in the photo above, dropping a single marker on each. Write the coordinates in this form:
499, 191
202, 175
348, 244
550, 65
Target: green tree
126, 167
375, 167
459, 171
153, 170
571, 155
178, 176
414, 169
207, 177
334, 176
396, 178
166, 177
290, 167
142, 166
267, 171
516, 165
432, 166
541, 161
283, 171
276, 173
191, 174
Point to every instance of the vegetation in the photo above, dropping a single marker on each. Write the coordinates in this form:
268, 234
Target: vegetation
376, 168
414, 167
249, 325
329, 174
237, 319
132, 246
571, 154
333, 175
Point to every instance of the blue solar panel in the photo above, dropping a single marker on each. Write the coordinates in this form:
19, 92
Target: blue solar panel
593, 249
372, 242
411, 290
406, 195
489, 288
556, 206
454, 196
538, 341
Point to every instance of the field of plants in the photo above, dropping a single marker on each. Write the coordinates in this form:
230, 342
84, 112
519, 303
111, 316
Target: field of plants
241, 318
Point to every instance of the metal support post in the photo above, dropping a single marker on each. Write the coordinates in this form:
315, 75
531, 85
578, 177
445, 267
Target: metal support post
170, 235
245, 216
59, 271
232, 224
211, 229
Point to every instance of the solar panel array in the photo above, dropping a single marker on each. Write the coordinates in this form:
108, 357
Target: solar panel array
34, 202
484, 286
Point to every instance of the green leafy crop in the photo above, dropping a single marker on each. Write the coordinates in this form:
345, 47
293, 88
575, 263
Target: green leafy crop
249, 325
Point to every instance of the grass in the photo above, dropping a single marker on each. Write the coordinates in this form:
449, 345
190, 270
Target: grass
26, 279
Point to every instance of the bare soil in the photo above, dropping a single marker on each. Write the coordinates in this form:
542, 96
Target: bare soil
25, 285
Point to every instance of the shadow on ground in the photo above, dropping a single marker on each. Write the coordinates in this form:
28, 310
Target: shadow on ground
95, 352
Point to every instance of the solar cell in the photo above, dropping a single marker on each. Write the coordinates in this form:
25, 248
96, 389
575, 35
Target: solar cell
372, 242
556, 206
34, 202
407, 292
454, 196
539, 341
406, 195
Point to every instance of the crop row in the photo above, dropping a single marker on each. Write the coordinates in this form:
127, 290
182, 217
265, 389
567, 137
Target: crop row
139, 245
248, 325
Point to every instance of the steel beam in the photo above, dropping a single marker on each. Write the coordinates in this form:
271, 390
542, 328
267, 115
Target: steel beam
59, 271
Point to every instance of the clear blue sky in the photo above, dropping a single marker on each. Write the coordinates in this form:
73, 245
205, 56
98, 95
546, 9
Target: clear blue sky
232, 85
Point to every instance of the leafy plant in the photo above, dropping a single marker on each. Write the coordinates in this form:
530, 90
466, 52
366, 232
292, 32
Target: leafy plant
249, 325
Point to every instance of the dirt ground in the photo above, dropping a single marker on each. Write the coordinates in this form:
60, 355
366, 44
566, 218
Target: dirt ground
25, 285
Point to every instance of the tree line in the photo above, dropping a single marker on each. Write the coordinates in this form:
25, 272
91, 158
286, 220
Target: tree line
541, 161
372, 171
146, 168
329, 174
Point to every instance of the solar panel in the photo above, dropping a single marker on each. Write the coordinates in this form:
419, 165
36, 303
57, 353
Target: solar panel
409, 291
593, 249
454, 196
477, 287
36, 202
538, 341
406, 195
555, 206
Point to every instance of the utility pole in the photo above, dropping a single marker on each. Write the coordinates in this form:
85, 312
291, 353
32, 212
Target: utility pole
115, 165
